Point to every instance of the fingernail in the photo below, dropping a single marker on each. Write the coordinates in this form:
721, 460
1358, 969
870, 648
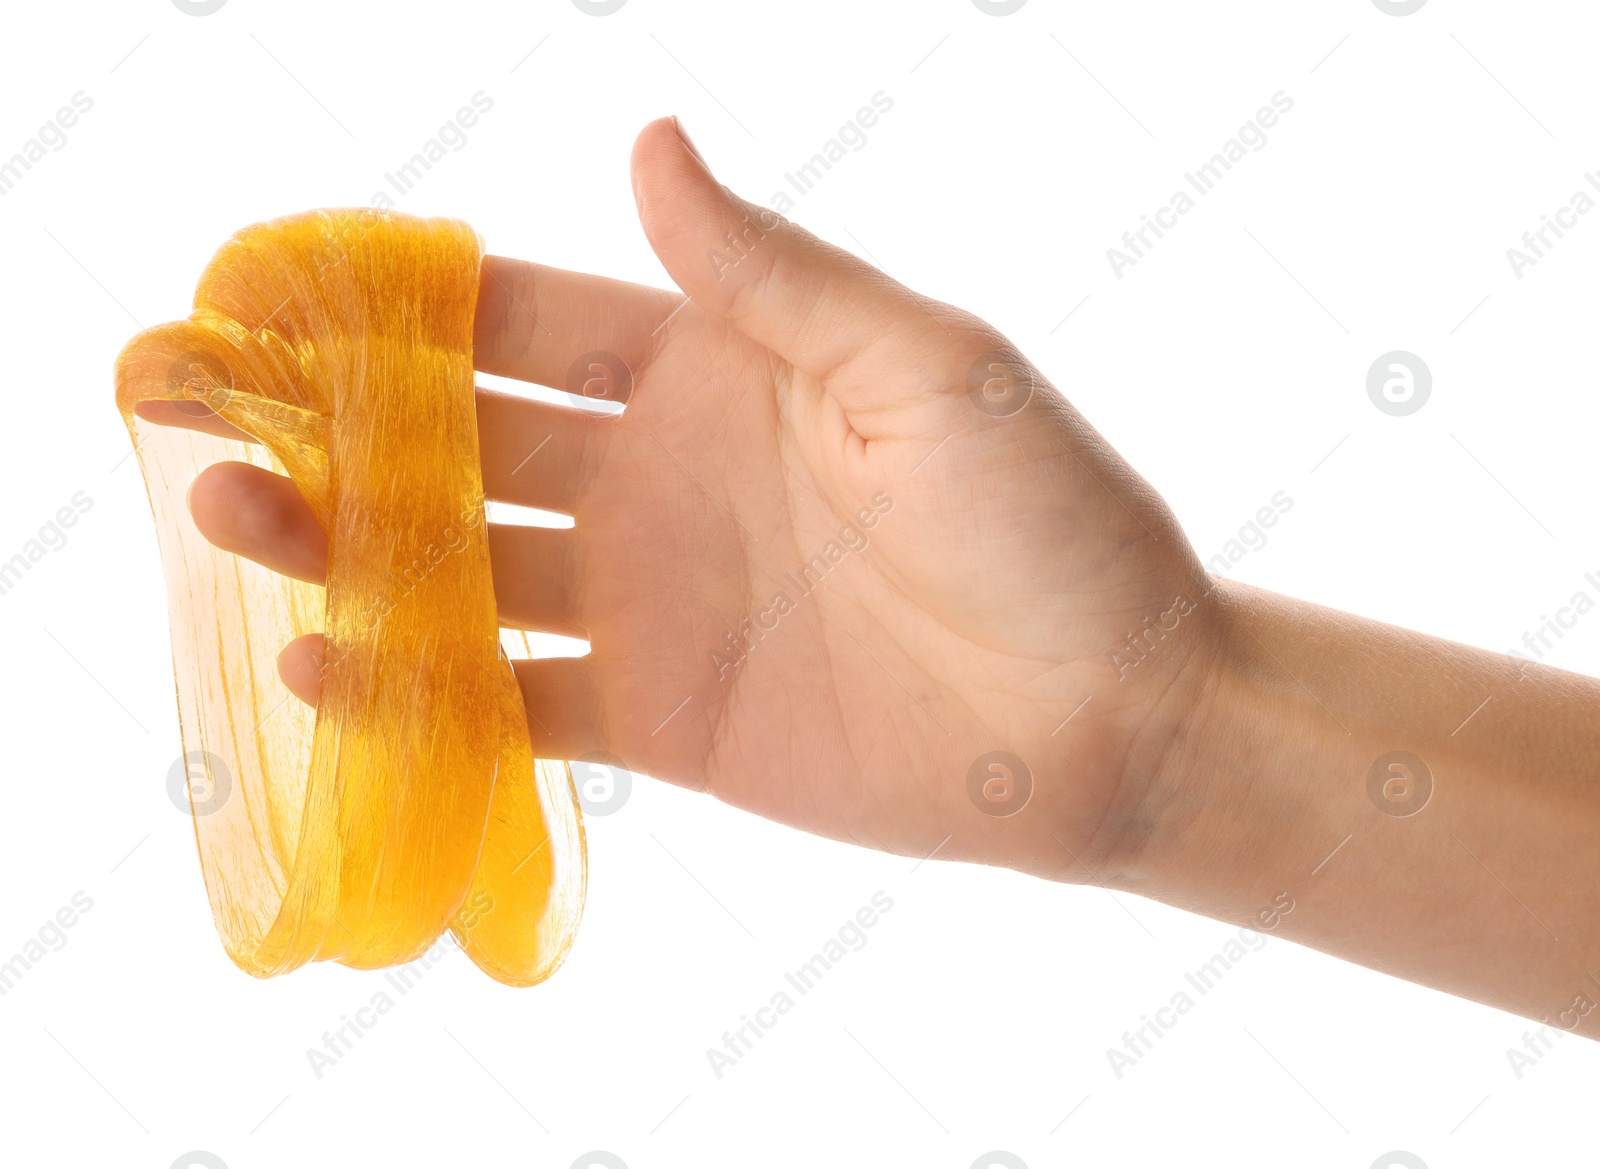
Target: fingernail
689, 142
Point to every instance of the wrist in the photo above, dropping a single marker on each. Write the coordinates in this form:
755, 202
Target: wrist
1217, 800
1170, 794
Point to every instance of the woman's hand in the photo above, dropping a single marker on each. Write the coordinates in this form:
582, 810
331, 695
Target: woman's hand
843, 545
847, 560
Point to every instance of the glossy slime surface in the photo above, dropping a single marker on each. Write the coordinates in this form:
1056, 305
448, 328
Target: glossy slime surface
408, 803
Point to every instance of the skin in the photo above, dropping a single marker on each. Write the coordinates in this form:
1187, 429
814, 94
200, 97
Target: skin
993, 577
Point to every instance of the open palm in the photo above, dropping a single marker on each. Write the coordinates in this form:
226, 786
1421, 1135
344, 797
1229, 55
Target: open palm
845, 558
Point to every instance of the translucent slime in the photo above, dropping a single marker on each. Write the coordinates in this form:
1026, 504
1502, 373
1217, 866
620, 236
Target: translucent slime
409, 801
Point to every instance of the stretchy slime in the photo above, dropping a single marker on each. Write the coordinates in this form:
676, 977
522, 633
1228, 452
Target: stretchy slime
408, 802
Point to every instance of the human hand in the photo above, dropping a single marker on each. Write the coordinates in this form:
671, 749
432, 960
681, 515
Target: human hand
842, 542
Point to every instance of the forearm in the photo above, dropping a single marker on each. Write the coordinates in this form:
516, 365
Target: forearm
1489, 890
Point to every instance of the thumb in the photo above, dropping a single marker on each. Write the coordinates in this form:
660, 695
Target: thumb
817, 306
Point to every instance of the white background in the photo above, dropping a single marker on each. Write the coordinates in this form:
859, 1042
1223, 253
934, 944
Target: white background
1226, 366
